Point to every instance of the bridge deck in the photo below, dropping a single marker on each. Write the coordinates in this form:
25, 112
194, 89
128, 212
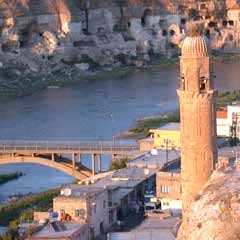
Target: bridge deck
97, 147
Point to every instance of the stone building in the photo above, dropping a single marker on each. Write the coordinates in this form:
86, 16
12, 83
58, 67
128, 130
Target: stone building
167, 136
86, 204
101, 202
168, 191
198, 115
62, 231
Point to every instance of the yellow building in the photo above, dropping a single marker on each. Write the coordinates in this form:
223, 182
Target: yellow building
167, 136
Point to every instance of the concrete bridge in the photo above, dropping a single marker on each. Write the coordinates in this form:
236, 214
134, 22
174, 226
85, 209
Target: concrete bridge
50, 153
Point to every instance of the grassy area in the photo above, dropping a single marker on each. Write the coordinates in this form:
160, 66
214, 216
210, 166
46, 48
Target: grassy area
143, 127
227, 98
118, 164
11, 215
4, 178
41, 202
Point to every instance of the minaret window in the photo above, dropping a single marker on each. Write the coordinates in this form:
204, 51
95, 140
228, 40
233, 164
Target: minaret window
203, 82
183, 83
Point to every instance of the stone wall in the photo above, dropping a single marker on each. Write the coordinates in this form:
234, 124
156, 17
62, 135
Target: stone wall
96, 211
168, 185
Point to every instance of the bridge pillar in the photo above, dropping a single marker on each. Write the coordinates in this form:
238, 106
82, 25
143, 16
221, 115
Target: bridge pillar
113, 157
53, 157
79, 158
93, 164
73, 160
99, 163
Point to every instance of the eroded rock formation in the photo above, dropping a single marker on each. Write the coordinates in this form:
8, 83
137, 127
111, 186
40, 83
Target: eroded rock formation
216, 213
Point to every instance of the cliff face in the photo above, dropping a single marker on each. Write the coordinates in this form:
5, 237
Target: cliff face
216, 213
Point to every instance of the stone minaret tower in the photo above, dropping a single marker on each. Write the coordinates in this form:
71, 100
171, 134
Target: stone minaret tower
198, 115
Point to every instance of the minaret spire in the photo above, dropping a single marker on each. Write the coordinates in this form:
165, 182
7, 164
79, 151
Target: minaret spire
197, 97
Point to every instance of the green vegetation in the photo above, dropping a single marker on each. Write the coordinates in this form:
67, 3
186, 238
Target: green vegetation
226, 98
4, 178
143, 127
41, 202
118, 164
141, 130
11, 215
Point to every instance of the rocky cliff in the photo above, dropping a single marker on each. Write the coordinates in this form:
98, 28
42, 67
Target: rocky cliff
216, 213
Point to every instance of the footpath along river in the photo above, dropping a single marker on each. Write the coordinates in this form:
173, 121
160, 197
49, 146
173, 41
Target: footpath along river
90, 110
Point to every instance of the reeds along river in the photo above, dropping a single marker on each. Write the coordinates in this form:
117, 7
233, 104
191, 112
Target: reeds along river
90, 110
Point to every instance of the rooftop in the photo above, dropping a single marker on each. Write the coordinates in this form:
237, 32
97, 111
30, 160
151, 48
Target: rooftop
230, 152
170, 127
123, 178
155, 161
80, 191
222, 114
146, 235
152, 228
59, 230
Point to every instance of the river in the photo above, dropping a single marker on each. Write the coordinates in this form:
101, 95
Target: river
90, 110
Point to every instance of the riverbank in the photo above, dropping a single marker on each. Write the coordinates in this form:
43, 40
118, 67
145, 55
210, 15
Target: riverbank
4, 178
141, 129
22, 210
15, 84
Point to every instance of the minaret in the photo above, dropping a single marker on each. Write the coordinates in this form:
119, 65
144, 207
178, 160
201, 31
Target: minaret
197, 97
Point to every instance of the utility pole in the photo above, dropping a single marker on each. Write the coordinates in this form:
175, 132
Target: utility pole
167, 141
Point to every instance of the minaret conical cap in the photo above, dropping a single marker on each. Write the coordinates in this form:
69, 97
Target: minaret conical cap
195, 44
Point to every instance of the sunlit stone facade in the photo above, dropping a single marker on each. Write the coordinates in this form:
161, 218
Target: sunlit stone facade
198, 117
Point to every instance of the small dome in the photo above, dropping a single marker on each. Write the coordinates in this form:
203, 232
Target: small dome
194, 46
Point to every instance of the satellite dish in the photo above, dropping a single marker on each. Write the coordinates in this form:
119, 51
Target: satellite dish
67, 192
146, 171
154, 152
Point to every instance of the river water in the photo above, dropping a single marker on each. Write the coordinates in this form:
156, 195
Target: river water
90, 110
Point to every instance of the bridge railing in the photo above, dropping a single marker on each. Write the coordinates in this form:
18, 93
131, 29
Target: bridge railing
25, 145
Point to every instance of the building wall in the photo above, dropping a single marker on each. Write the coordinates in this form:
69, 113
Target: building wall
168, 185
223, 127
69, 206
95, 208
161, 135
233, 112
146, 145
100, 214
81, 233
174, 205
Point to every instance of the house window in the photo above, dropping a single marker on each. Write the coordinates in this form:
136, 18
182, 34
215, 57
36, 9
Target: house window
203, 82
164, 189
104, 204
77, 213
94, 208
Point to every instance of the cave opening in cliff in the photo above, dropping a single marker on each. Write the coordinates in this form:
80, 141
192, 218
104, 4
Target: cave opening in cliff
183, 21
207, 34
231, 23
148, 12
164, 33
172, 32
224, 23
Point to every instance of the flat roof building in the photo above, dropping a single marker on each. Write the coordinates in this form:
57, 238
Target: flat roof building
63, 231
167, 136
